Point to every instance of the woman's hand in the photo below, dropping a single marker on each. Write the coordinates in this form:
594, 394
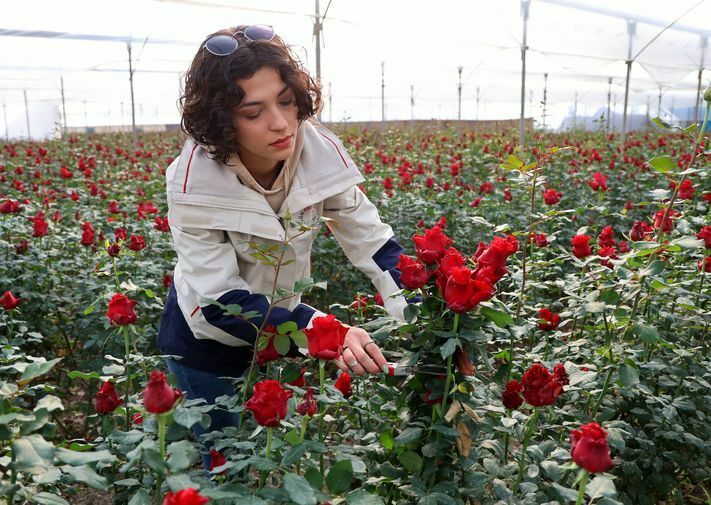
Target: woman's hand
361, 354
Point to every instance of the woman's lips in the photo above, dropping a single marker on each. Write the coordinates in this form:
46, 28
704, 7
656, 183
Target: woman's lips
282, 143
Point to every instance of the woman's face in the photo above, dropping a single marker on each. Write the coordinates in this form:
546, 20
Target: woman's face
266, 121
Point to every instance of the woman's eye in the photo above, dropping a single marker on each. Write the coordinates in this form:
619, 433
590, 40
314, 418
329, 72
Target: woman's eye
288, 102
252, 117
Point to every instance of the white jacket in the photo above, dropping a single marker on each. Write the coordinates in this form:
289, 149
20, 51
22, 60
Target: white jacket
214, 217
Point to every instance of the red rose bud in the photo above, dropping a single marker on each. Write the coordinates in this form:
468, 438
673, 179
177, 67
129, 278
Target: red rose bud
539, 387
640, 231
668, 224
511, 397
300, 381
413, 274
686, 190
137, 243
581, 246
607, 252
187, 496
268, 403
120, 310
326, 337
549, 320
307, 406
598, 181
589, 449
491, 259
541, 240
551, 196
431, 247
463, 291
704, 265
106, 400
560, 375
113, 250
464, 364
159, 397
705, 235
161, 224
359, 302
8, 301
623, 247
605, 239
269, 353
343, 384
216, 459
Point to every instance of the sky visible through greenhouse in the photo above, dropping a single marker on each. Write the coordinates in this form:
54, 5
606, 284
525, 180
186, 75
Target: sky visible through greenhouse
576, 53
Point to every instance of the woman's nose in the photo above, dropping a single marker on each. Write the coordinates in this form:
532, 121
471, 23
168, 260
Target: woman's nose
279, 121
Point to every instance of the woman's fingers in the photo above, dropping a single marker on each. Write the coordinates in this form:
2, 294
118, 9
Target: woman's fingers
353, 364
376, 354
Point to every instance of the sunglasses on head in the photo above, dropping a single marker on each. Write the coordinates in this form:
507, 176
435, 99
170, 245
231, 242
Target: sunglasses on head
223, 45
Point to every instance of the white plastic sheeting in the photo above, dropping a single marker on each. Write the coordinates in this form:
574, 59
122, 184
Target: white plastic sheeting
421, 42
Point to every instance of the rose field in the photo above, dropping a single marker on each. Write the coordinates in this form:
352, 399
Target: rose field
555, 350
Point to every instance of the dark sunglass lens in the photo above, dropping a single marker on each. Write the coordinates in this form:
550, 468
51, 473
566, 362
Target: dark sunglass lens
221, 45
259, 32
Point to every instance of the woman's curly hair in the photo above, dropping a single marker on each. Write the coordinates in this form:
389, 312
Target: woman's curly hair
211, 92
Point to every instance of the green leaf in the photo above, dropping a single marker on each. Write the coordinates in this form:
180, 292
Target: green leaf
181, 455
662, 164
86, 475
76, 374
50, 403
666, 126
141, 498
33, 454
387, 440
293, 454
152, 458
188, 416
600, 486
282, 344
688, 242
411, 461
448, 348
129, 437
314, 477
35, 370
299, 490
363, 497
178, 482
45, 498
300, 339
593, 307
629, 375
287, 327
340, 476
498, 317
76, 458
408, 435
646, 332
565, 492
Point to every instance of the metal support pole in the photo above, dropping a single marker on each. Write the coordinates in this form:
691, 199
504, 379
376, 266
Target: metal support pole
459, 94
477, 103
317, 35
575, 111
412, 101
524, 11
27, 114
659, 103
64, 107
609, 95
545, 97
7, 127
382, 92
86, 119
671, 110
330, 104
704, 43
134, 134
631, 29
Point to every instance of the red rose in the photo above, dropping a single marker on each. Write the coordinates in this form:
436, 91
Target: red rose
431, 247
388, 183
88, 235
269, 353
114, 207
113, 250
106, 400
598, 181
300, 381
40, 228
161, 224
686, 190
8, 301
463, 291
668, 224
167, 280
551, 196
216, 459
326, 337
511, 397
187, 496
560, 375
581, 246
379, 300
307, 406
413, 274
549, 320
343, 384
705, 235
589, 449
607, 252
10, 207
539, 386
137, 243
120, 234
359, 302
159, 397
704, 265
541, 240
605, 239
623, 246
269, 403
120, 310
640, 231
491, 260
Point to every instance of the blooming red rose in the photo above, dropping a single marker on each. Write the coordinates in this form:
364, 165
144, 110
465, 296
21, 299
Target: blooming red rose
88, 234
623, 246
605, 239
187, 496
269, 353
114, 207
268, 403
161, 224
388, 183
159, 397
10, 207
307, 406
137, 243
548, 320
598, 182
539, 387
413, 274
669, 223
326, 337
216, 459
686, 190
705, 235
40, 226
8, 301
511, 397
120, 234
581, 246
491, 259
106, 400
343, 384
607, 252
463, 291
560, 375
704, 265
120, 310
541, 240
431, 247
589, 449
551, 196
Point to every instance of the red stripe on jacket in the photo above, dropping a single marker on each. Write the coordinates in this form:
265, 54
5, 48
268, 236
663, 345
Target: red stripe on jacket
187, 170
337, 149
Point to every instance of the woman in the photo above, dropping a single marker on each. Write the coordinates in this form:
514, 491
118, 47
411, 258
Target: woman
254, 157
